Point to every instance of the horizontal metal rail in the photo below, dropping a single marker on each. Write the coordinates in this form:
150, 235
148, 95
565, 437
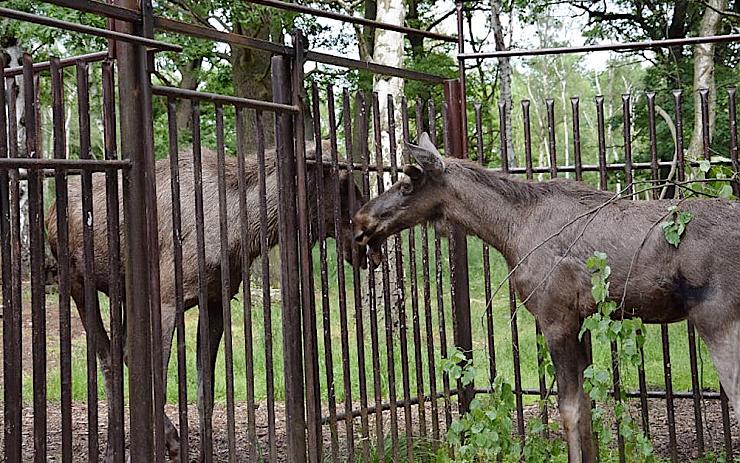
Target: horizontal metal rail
353, 19
605, 47
94, 165
193, 30
44, 65
74, 27
223, 99
100, 9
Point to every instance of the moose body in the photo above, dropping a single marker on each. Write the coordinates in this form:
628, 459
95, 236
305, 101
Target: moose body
547, 230
238, 251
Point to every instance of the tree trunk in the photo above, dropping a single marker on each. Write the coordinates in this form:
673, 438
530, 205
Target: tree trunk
189, 80
704, 76
504, 68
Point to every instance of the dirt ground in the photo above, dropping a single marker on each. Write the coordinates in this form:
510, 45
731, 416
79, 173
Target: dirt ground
713, 435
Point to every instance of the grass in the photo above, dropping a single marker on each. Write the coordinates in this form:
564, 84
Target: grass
502, 334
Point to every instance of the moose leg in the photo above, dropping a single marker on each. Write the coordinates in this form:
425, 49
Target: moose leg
719, 326
569, 358
206, 372
172, 438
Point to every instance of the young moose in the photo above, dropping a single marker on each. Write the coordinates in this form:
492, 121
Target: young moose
666, 284
236, 247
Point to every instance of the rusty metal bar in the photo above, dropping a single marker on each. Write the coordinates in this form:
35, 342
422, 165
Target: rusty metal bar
296, 8
182, 392
63, 62
99, 8
289, 262
650, 44
89, 30
88, 165
454, 99
731, 113
223, 99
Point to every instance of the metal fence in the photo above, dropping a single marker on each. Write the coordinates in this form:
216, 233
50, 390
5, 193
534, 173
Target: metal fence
164, 237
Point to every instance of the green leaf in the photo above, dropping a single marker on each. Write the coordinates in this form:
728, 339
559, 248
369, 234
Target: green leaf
704, 165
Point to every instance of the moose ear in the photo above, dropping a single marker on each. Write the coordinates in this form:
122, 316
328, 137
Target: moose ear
426, 155
414, 172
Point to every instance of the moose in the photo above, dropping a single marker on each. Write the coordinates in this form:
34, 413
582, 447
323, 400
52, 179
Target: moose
211, 218
547, 230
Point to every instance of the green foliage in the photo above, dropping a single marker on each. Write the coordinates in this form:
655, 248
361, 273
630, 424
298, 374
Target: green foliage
674, 227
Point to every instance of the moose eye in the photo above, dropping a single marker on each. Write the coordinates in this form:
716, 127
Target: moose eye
406, 189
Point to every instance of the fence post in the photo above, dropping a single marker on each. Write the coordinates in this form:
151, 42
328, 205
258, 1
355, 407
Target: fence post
289, 263
131, 87
458, 240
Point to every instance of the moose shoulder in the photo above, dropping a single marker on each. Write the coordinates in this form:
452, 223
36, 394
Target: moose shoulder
239, 251
549, 229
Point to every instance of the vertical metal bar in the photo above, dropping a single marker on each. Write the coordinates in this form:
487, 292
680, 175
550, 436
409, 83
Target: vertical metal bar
12, 394
343, 322
527, 138
204, 347
731, 112
91, 294
602, 142
225, 281
323, 262
670, 411
462, 107
310, 340
372, 285
182, 390
129, 58
115, 420
695, 386
627, 131
266, 298
459, 245
486, 261
575, 107
246, 258
704, 99
357, 288
512, 294
413, 277
60, 182
428, 300
550, 105
440, 291
403, 326
289, 262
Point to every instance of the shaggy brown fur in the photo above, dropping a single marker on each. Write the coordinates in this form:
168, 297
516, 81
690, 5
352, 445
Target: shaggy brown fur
697, 280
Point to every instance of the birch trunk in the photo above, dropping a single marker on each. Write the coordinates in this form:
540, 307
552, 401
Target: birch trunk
704, 76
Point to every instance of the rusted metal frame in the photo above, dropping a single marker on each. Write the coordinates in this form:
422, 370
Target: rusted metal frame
413, 277
463, 107
223, 99
438, 268
431, 364
91, 307
371, 281
99, 8
650, 44
385, 267
324, 272
310, 352
357, 286
225, 282
115, 401
695, 386
289, 263
204, 347
89, 30
171, 25
355, 166
387, 406
488, 289
65, 344
266, 297
401, 304
36, 244
182, 391
731, 112
456, 136
88, 165
241, 148
575, 108
627, 131
63, 62
515, 348
343, 322
345, 18
633, 394
12, 393
667, 375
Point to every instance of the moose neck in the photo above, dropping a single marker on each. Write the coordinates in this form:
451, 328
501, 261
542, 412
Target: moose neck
488, 204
